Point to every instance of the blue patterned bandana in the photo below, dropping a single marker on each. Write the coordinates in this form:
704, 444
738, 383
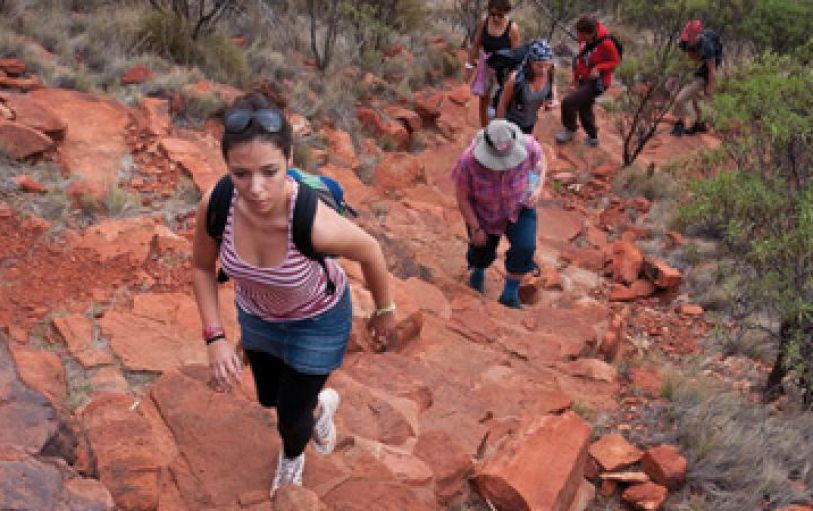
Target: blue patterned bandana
538, 49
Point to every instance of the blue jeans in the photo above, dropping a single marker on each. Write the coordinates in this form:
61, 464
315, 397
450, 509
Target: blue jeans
519, 258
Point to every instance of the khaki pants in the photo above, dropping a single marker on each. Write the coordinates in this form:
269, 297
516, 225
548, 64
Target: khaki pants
691, 93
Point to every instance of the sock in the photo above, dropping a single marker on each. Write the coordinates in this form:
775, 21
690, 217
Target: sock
510, 292
477, 279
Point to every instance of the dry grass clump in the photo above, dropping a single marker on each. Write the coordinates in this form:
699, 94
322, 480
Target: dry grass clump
632, 181
741, 455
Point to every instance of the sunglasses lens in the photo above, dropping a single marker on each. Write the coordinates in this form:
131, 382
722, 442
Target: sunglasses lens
270, 120
237, 121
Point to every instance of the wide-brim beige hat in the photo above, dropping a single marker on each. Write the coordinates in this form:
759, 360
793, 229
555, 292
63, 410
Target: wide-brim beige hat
500, 145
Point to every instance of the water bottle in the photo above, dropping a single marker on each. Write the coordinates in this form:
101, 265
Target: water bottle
533, 184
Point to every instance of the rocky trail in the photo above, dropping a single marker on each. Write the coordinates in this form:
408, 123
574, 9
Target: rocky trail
103, 384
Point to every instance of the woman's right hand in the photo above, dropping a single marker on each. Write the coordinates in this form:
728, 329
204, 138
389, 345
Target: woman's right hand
225, 365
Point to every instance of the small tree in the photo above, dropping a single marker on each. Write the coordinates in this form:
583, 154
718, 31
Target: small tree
652, 83
203, 15
762, 210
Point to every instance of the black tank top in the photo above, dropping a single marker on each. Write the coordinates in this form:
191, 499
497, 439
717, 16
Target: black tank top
491, 44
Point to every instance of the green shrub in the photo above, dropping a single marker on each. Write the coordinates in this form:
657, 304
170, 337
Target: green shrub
762, 210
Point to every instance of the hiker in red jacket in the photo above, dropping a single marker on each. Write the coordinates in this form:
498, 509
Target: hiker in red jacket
592, 75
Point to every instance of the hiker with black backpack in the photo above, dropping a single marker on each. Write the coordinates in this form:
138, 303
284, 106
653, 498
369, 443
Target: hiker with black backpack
529, 87
704, 47
496, 31
272, 235
599, 54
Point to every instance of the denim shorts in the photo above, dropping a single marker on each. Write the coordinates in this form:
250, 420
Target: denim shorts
310, 346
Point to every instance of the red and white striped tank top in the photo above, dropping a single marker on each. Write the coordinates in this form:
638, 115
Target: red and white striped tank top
292, 290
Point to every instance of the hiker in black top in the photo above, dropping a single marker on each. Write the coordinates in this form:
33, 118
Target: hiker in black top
486, 83
528, 87
702, 46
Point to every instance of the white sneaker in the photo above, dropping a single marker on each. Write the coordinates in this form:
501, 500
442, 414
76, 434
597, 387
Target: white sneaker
289, 471
564, 136
324, 429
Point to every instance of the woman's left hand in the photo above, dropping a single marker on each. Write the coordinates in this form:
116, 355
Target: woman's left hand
380, 328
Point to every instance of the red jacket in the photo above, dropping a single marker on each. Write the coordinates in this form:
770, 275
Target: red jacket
604, 58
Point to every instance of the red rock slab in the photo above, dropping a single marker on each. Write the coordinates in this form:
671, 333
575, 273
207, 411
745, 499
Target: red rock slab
665, 465
94, 142
411, 120
162, 331
13, 67
197, 157
77, 332
29, 184
42, 371
27, 419
132, 237
18, 141
227, 446
626, 261
448, 461
29, 112
156, 115
557, 224
689, 309
135, 75
294, 498
364, 494
340, 148
614, 452
23, 84
122, 442
523, 474
397, 171
663, 275
646, 497
646, 379
432, 299
428, 104
584, 497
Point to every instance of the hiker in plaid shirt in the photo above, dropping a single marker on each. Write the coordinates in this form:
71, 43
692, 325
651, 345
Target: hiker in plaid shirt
498, 181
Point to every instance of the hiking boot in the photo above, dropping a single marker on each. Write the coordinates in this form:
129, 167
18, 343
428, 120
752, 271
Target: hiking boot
697, 127
591, 141
289, 471
510, 301
564, 136
678, 130
324, 429
477, 280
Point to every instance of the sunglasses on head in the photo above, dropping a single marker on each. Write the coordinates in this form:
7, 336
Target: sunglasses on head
239, 120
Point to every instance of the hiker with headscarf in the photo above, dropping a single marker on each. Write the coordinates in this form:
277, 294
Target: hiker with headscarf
294, 310
529, 87
496, 31
592, 74
498, 182
704, 47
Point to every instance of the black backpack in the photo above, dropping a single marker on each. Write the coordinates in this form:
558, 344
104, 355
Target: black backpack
506, 60
717, 42
311, 189
592, 46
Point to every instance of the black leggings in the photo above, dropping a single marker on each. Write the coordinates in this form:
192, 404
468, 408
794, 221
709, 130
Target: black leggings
293, 394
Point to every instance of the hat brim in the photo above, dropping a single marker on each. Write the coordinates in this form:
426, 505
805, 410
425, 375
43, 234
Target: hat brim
494, 161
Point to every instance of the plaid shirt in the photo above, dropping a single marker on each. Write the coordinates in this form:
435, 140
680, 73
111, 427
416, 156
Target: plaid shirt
497, 196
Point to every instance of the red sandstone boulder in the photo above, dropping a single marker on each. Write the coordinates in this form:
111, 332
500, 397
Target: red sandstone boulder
614, 452
13, 67
29, 184
665, 465
29, 112
135, 75
18, 141
626, 262
77, 332
296, 498
448, 461
663, 275
340, 148
397, 171
689, 309
540, 468
645, 497
156, 115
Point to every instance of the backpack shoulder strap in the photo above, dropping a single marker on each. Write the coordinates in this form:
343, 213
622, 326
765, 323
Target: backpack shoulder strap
302, 228
217, 211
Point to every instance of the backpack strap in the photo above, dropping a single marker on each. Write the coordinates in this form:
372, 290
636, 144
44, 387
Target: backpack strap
217, 213
304, 213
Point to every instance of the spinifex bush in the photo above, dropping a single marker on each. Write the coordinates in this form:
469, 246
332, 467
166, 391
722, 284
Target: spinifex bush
762, 210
